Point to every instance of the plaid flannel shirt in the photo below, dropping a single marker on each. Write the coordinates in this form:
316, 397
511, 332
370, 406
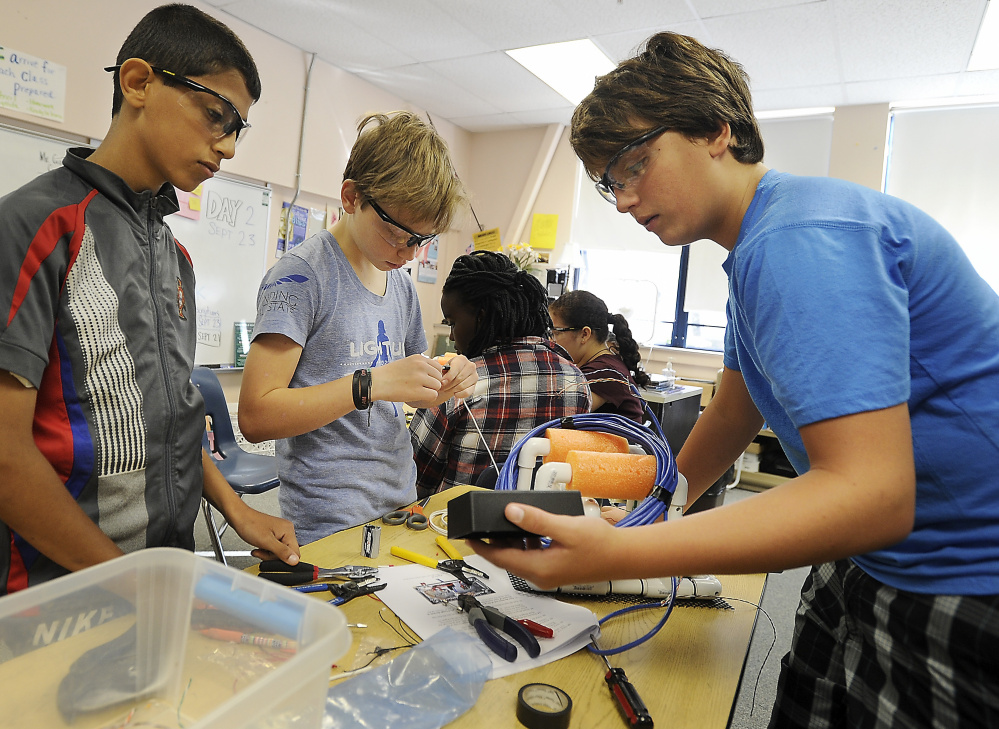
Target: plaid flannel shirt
521, 385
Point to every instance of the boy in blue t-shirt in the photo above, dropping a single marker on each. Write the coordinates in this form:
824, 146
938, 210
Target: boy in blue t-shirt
338, 339
860, 333
100, 443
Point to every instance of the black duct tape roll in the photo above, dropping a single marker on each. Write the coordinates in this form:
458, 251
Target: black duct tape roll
542, 706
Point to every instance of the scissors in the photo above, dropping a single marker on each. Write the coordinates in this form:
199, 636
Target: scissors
488, 621
285, 574
413, 517
455, 566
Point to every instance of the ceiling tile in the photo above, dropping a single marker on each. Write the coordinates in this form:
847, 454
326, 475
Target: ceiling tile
905, 38
561, 115
785, 47
489, 122
512, 23
601, 17
434, 92
900, 89
984, 83
624, 45
720, 8
322, 27
802, 97
508, 85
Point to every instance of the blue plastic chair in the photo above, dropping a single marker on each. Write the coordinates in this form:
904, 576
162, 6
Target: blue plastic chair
247, 473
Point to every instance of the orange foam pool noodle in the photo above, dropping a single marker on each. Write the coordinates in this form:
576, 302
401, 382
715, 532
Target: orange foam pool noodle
565, 440
612, 475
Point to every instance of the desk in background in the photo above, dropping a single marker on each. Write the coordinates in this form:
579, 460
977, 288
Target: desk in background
688, 674
676, 410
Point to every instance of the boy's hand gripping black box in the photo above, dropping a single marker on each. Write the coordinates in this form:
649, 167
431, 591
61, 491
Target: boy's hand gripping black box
479, 514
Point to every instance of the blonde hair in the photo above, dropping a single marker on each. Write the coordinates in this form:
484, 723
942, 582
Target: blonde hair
675, 82
401, 162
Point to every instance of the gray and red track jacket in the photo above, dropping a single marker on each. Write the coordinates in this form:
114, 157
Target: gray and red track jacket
99, 315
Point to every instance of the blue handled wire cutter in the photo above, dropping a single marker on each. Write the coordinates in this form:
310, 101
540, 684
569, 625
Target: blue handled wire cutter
489, 621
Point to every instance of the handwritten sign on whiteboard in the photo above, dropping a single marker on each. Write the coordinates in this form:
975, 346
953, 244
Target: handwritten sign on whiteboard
227, 241
32, 85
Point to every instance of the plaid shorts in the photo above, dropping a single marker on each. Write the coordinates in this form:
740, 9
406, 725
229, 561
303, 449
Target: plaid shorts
868, 655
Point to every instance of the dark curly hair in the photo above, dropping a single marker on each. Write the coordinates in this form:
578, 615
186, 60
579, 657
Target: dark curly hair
513, 303
580, 309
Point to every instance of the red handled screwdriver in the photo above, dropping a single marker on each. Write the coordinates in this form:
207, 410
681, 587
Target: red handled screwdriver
627, 697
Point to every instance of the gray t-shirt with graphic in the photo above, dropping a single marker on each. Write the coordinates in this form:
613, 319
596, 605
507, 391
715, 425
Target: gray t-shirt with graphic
360, 466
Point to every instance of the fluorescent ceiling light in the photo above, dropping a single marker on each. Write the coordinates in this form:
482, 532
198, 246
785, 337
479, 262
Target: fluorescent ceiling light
570, 68
986, 52
981, 100
794, 113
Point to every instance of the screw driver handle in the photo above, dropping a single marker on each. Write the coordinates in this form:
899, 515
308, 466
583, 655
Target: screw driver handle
627, 697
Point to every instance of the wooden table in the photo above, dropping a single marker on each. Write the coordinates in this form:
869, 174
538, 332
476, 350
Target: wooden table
687, 674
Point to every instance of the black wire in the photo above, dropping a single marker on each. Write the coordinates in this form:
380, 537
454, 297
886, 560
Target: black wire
773, 642
378, 653
407, 636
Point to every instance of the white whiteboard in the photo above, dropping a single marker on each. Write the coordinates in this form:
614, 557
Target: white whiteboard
228, 243
24, 156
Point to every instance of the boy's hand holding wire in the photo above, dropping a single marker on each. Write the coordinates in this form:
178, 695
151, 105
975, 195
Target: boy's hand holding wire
458, 378
414, 379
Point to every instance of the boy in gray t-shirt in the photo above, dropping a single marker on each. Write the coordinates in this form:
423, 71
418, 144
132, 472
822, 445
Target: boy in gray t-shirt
338, 341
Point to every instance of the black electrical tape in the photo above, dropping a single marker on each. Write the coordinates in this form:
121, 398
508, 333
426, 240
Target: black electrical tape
543, 706
658, 492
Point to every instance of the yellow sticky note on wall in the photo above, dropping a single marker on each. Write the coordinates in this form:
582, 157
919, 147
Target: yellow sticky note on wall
543, 229
488, 240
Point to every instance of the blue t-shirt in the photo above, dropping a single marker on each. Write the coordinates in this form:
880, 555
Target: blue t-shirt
844, 300
360, 466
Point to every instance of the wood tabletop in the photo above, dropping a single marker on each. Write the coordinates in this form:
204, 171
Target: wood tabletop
687, 674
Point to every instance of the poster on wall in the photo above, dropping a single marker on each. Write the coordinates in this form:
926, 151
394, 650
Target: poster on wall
32, 85
427, 267
543, 228
293, 228
488, 240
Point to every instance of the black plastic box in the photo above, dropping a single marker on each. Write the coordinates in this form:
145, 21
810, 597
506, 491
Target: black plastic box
479, 514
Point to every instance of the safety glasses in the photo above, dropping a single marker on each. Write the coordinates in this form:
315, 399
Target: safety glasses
414, 239
627, 166
219, 116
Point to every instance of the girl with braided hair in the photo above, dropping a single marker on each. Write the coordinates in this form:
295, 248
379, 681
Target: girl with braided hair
499, 319
580, 325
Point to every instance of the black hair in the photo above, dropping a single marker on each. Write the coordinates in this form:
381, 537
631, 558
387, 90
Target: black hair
513, 303
578, 309
189, 42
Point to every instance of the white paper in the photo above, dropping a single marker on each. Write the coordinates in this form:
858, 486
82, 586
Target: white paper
572, 624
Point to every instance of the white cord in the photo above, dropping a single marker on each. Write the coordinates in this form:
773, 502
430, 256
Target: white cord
482, 437
441, 516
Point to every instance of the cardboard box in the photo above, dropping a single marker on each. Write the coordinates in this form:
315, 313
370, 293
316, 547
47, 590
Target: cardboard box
163, 637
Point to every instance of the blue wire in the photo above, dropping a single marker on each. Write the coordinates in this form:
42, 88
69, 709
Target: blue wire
631, 609
649, 511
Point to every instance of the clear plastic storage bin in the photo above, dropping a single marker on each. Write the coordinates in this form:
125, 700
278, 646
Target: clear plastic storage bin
164, 638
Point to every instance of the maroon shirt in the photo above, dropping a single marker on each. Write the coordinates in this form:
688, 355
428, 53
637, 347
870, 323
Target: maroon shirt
609, 378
